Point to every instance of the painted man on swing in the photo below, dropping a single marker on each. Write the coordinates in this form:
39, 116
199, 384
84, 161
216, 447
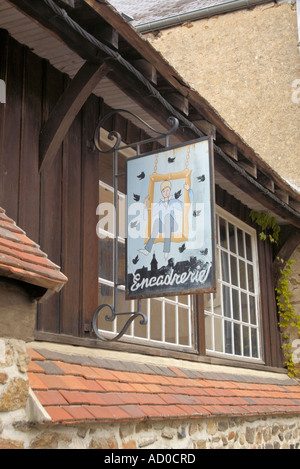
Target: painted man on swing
164, 215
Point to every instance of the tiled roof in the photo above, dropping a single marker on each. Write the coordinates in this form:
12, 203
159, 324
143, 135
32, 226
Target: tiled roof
74, 388
22, 259
146, 11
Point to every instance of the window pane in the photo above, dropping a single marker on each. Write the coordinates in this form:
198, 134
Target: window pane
254, 342
183, 330
223, 233
106, 209
218, 330
170, 321
228, 336
122, 215
217, 302
105, 259
246, 341
105, 295
121, 262
209, 332
248, 247
225, 267
141, 330
250, 278
183, 299
243, 283
233, 308
236, 304
156, 320
252, 306
241, 243
124, 306
234, 273
226, 301
237, 339
232, 239
244, 299
207, 302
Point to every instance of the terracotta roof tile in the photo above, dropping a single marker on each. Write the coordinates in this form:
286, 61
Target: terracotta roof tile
22, 259
81, 392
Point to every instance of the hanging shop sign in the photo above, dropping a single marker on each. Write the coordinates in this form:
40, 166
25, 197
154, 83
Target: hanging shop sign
170, 247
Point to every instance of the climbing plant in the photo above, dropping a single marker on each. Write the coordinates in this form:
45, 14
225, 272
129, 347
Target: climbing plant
268, 224
286, 312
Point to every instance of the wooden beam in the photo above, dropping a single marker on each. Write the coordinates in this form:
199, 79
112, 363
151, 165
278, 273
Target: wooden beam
230, 150
123, 78
259, 194
146, 68
206, 127
294, 204
67, 108
249, 167
139, 92
283, 195
179, 101
266, 181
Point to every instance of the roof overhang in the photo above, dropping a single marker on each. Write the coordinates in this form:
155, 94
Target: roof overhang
72, 33
21, 259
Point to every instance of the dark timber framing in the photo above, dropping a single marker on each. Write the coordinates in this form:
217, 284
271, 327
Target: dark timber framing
49, 181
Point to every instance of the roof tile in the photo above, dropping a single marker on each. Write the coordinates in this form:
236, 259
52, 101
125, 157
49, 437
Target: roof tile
85, 390
22, 259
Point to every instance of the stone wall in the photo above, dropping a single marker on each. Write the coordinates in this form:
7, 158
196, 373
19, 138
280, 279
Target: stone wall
14, 391
21, 425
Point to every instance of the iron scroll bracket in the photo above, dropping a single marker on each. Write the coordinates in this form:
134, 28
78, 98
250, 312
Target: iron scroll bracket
116, 147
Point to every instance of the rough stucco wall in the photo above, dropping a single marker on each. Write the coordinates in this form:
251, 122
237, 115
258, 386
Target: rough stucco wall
245, 63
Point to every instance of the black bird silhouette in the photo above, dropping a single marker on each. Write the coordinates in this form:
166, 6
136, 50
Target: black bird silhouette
204, 251
135, 260
177, 194
141, 176
201, 178
136, 197
171, 160
196, 213
181, 248
133, 224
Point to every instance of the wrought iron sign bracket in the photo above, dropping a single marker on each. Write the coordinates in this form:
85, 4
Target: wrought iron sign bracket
117, 146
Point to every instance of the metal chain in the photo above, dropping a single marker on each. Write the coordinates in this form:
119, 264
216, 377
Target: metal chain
187, 157
155, 164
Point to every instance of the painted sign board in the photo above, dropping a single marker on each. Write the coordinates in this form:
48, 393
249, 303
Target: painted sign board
170, 246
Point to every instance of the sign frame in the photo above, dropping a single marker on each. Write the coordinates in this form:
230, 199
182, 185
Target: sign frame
180, 257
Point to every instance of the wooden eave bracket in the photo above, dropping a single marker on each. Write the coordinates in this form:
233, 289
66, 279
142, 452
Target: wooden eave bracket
146, 68
179, 101
230, 150
206, 127
67, 108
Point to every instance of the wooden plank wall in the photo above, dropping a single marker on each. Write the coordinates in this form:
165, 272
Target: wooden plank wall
53, 207
57, 208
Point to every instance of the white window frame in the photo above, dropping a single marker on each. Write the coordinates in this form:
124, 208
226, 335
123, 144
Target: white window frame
214, 348
163, 301
131, 336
